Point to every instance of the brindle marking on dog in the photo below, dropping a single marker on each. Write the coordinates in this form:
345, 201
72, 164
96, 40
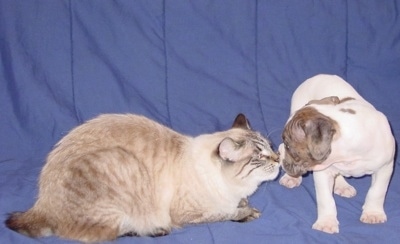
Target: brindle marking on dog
348, 110
333, 100
346, 99
307, 138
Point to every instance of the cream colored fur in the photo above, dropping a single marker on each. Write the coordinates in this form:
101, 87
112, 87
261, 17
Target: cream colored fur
361, 143
127, 175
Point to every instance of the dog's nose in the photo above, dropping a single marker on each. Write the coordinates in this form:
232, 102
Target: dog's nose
279, 158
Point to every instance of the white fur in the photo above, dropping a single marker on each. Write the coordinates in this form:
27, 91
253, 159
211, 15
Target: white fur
365, 145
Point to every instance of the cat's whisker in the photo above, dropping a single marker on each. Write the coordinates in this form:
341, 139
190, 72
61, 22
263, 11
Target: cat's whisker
274, 131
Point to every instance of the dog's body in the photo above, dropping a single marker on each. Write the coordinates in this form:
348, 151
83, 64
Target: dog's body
337, 133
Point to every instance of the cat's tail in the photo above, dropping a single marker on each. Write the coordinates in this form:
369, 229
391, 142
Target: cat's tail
30, 223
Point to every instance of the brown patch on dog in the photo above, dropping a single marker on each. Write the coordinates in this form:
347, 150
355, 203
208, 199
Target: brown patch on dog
348, 110
333, 100
307, 138
346, 99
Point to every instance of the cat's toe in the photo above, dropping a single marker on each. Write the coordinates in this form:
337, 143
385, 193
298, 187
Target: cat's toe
160, 232
255, 214
129, 234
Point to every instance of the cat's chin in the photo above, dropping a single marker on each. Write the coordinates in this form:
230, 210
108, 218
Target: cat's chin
272, 175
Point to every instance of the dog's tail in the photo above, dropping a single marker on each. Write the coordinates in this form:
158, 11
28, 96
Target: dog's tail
30, 223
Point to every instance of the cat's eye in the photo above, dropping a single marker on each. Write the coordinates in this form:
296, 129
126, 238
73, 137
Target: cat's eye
264, 157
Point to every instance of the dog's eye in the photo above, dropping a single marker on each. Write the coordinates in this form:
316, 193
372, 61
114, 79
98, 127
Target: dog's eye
286, 146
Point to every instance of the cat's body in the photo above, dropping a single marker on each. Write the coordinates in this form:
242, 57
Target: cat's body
127, 175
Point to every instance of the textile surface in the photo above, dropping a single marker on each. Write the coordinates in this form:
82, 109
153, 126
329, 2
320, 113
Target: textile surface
193, 66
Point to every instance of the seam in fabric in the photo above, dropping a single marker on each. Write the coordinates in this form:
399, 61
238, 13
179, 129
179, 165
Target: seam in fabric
256, 67
71, 36
346, 63
169, 121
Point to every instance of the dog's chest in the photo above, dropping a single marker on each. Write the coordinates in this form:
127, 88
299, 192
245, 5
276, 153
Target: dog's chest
355, 168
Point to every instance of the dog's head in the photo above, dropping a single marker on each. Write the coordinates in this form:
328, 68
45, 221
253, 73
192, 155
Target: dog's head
307, 139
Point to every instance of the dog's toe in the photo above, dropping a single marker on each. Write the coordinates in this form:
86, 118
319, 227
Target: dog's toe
369, 217
290, 182
345, 191
328, 225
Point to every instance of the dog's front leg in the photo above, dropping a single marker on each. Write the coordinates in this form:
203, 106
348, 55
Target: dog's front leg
327, 219
373, 212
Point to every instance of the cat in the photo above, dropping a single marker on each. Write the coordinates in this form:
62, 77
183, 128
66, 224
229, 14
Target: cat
124, 174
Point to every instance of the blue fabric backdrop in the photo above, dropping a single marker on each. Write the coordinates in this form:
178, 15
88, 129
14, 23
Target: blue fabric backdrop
192, 65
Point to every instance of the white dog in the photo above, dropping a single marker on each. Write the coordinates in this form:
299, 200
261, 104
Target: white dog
334, 132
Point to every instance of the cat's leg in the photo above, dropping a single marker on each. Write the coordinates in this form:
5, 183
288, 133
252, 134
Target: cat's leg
129, 234
87, 232
151, 224
160, 232
244, 202
157, 232
152, 231
245, 213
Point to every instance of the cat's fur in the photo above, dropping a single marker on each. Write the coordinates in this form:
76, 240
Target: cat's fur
121, 175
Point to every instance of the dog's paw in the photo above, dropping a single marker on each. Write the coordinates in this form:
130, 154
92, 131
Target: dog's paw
327, 224
345, 190
373, 217
290, 182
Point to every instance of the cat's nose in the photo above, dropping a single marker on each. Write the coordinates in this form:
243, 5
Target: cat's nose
275, 157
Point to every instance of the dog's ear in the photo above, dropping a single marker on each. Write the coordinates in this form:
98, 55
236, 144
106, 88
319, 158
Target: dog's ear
319, 133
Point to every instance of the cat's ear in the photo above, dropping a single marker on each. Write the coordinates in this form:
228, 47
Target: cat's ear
228, 150
241, 122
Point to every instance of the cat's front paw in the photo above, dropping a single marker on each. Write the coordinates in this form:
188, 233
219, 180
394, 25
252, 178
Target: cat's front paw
244, 202
160, 232
328, 224
289, 181
129, 234
254, 214
246, 214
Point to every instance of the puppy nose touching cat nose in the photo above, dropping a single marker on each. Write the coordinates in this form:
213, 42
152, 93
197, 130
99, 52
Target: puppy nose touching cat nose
278, 157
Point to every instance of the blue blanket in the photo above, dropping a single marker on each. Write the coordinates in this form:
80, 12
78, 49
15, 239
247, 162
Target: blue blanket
193, 65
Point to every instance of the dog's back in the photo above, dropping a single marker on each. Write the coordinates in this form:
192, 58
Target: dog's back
321, 86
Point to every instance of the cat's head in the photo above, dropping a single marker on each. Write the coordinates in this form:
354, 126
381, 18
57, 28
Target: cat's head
246, 156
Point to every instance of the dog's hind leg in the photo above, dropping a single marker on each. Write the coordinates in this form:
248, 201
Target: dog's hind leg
342, 188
